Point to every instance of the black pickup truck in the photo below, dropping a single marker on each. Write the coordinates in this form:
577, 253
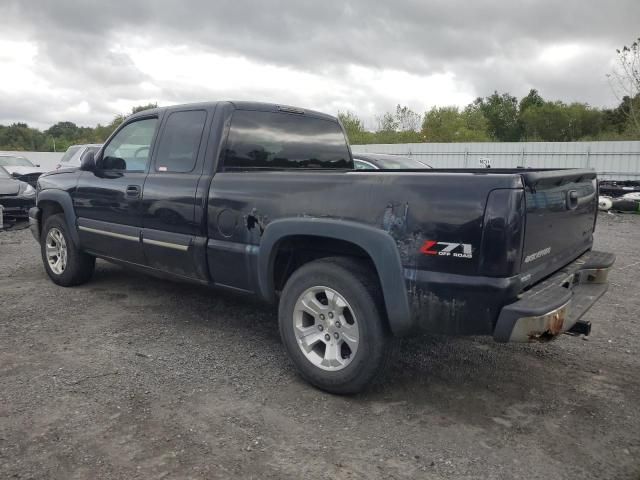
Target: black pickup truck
263, 199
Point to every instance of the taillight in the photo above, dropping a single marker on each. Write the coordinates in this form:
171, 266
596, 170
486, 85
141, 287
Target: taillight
502, 233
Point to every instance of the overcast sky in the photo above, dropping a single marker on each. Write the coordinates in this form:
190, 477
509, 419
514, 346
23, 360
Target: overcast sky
86, 61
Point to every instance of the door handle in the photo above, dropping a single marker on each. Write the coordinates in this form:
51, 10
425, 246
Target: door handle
572, 199
133, 191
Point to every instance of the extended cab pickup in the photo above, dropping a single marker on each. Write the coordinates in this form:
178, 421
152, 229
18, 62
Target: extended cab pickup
263, 199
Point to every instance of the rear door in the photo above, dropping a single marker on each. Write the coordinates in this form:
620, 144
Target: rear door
561, 207
108, 200
169, 221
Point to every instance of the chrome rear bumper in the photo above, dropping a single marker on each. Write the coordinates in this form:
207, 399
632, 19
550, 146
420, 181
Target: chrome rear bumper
556, 304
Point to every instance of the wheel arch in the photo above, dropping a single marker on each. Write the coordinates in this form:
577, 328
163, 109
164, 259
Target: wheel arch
378, 245
53, 201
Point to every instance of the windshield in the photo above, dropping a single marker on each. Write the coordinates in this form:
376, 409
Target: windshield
68, 154
15, 162
4, 173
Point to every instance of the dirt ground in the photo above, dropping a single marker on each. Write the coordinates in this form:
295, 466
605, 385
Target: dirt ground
133, 377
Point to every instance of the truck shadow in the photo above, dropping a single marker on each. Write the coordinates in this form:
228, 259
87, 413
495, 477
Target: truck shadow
470, 378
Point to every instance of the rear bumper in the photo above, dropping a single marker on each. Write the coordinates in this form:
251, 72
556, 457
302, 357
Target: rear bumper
556, 304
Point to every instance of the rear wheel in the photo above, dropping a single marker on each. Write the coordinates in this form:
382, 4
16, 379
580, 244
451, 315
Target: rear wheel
63, 261
331, 323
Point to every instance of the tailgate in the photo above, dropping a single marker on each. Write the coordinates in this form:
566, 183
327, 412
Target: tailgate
561, 207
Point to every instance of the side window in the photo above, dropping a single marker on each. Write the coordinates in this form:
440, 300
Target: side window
129, 150
281, 140
180, 142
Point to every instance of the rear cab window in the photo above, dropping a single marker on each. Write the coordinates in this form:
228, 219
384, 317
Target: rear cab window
284, 141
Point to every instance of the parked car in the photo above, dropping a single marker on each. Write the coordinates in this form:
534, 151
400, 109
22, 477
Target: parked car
618, 188
264, 200
21, 168
380, 161
73, 156
16, 197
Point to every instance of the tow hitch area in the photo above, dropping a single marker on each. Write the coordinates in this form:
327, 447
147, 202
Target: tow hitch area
580, 328
556, 305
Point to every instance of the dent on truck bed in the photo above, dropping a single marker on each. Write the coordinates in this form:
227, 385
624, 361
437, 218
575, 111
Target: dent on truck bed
394, 219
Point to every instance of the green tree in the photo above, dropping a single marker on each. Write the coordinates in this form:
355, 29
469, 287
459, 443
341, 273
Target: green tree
351, 123
549, 122
625, 83
387, 123
585, 121
532, 99
407, 120
559, 122
19, 136
142, 108
354, 127
616, 119
501, 112
62, 129
449, 124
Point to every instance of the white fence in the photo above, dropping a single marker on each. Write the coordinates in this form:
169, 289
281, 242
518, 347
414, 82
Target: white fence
612, 160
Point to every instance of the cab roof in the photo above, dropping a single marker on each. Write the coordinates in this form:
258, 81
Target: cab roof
242, 105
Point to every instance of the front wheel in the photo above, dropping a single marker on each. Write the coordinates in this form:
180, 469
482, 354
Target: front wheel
63, 261
331, 323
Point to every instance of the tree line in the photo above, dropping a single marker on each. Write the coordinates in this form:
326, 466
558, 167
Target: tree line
58, 137
499, 117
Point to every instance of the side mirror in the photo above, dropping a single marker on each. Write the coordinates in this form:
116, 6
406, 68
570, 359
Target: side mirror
38, 165
15, 174
88, 163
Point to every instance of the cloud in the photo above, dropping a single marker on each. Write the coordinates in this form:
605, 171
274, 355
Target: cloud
358, 55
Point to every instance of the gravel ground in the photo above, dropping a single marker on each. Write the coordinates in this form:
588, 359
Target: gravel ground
134, 377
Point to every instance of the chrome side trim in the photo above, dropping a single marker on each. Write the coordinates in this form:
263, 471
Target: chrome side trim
158, 243
108, 234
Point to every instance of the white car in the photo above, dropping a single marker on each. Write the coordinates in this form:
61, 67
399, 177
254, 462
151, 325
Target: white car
21, 168
73, 156
381, 161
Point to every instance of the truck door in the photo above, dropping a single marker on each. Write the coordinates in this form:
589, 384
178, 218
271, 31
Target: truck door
171, 228
108, 200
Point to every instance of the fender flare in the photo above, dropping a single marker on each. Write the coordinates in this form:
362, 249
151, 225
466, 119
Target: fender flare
378, 244
63, 199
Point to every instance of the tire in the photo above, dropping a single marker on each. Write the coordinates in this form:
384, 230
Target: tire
303, 329
69, 266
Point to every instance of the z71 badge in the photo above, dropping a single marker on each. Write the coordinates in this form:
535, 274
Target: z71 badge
447, 249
